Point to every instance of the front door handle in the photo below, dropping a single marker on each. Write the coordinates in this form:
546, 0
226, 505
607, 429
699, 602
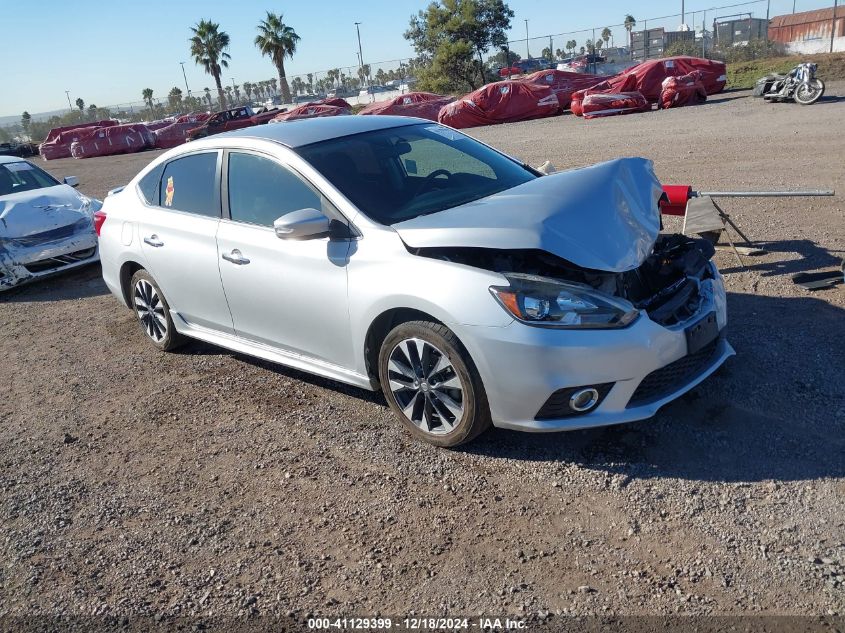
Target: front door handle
236, 257
153, 240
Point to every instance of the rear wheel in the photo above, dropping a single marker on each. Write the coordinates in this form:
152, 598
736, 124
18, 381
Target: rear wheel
153, 312
432, 385
808, 94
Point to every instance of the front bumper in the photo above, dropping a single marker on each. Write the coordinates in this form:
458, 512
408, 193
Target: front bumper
25, 265
522, 366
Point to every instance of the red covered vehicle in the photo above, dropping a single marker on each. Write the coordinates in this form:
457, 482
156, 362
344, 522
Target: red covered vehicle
58, 141
563, 84
324, 107
651, 74
609, 98
115, 139
682, 91
176, 133
424, 105
231, 119
501, 102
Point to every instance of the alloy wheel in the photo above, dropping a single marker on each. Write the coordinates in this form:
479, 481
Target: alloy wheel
426, 386
150, 310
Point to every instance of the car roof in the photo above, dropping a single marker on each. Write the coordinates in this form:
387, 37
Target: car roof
307, 131
10, 159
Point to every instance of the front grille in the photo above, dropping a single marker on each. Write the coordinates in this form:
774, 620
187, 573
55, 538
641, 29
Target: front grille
55, 263
557, 406
665, 380
52, 235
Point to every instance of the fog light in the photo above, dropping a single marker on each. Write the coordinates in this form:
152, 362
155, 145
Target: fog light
584, 400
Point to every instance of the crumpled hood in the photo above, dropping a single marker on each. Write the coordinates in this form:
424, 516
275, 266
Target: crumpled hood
603, 217
41, 210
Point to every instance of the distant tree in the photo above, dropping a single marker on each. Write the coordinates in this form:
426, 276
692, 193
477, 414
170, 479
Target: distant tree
248, 90
310, 82
363, 71
606, 34
228, 93
583, 50
381, 77
80, 104
208, 47
277, 40
298, 85
571, 45
207, 92
547, 53
236, 89
26, 120
599, 44
452, 36
174, 98
92, 111
589, 45
272, 85
630, 23
147, 94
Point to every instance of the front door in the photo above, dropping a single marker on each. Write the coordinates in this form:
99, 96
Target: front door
287, 294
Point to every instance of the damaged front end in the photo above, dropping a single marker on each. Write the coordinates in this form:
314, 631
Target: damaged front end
669, 285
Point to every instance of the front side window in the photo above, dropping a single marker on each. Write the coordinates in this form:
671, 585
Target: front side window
401, 173
261, 190
19, 176
189, 184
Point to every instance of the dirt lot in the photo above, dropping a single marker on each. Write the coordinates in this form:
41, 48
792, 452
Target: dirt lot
205, 483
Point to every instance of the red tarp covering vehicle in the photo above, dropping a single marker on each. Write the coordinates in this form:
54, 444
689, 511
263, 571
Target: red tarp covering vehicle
615, 96
425, 105
501, 102
231, 119
57, 143
177, 132
325, 107
650, 74
563, 83
116, 139
682, 91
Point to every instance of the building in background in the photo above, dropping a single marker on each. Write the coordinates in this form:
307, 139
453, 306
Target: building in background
810, 31
652, 43
739, 32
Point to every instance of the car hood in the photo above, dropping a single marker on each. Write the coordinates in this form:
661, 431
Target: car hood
603, 217
30, 213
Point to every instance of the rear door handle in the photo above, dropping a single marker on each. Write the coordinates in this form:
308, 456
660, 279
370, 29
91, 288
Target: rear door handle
236, 257
153, 240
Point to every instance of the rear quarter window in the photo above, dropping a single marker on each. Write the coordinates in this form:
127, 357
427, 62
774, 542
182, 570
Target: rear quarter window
150, 186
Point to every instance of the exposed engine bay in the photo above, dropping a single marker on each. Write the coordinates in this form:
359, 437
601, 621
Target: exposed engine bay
666, 285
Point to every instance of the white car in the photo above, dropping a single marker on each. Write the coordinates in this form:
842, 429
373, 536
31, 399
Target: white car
46, 226
397, 254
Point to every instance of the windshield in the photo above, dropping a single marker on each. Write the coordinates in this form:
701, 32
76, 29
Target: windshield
400, 173
23, 176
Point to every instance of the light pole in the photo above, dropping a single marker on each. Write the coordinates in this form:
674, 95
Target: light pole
682, 12
527, 52
186, 78
360, 53
69, 105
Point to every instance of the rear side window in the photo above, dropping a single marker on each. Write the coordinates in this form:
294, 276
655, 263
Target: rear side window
188, 184
149, 186
262, 190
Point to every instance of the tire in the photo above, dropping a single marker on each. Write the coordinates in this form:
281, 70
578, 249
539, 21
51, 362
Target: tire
449, 410
811, 96
153, 312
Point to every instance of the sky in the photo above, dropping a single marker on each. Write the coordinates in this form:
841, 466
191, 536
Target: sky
107, 53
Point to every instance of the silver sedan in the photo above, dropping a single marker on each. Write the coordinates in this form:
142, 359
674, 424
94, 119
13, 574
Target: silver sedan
398, 254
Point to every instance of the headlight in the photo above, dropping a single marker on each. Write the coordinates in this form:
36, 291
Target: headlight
547, 302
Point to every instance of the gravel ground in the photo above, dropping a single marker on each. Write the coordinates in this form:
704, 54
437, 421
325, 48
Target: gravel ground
206, 483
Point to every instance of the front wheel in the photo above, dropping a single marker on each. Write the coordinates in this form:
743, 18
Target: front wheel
432, 384
808, 94
153, 312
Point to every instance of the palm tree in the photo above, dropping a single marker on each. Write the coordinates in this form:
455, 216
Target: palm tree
629, 24
277, 40
80, 104
208, 46
273, 85
248, 90
606, 34
310, 82
174, 98
147, 94
207, 92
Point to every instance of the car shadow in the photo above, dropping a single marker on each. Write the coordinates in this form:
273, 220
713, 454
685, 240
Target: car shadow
775, 411
811, 257
79, 283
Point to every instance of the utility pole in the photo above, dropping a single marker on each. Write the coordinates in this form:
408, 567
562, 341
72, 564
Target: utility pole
704, 34
527, 52
360, 54
793, 7
833, 25
768, 11
186, 78
67, 94
682, 12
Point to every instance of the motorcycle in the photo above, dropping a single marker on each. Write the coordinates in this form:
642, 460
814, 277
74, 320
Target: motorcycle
800, 85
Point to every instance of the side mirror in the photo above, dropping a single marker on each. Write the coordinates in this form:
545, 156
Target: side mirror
305, 224
73, 181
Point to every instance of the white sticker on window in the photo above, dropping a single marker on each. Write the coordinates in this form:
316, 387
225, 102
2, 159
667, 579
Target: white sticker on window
18, 166
669, 64
445, 132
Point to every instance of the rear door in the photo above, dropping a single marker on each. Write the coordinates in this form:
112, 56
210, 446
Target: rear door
178, 237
